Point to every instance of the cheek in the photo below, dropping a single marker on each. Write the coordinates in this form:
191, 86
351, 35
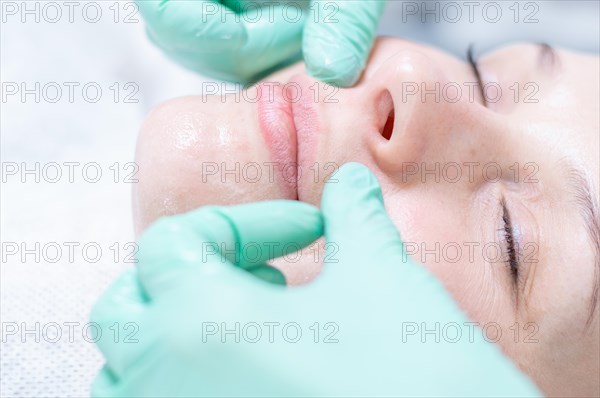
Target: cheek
193, 154
435, 236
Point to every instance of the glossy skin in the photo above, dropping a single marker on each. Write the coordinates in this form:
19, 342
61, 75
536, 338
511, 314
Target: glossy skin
543, 311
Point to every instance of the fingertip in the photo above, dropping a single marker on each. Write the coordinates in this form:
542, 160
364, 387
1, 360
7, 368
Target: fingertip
353, 181
275, 225
123, 296
296, 209
288, 217
352, 204
103, 384
311, 217
268, 274
334, 66
355, 173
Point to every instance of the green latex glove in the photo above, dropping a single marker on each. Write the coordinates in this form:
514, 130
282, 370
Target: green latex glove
206, 36
351, 319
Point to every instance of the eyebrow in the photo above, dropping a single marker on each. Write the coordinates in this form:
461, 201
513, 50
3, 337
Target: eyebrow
588, 208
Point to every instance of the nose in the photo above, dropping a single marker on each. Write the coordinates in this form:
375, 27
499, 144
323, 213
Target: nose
421, 114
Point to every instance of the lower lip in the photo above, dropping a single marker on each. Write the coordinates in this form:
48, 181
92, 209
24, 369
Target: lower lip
277, 125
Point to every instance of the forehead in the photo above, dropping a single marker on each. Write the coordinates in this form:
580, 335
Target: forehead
569, 108
581, 77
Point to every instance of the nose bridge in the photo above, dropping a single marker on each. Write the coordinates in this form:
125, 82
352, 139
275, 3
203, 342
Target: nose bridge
430, 116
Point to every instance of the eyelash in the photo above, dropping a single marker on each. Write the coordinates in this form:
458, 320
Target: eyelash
473, 62
511, 258
511, 252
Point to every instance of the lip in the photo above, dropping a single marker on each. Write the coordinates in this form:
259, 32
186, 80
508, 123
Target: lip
306, 120
276, 120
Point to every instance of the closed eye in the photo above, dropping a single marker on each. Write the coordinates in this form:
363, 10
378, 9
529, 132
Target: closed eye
473, 62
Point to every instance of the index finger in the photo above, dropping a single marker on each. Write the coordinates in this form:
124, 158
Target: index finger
211, 239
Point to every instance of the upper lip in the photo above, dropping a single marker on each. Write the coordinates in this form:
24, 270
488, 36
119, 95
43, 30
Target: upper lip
306, 121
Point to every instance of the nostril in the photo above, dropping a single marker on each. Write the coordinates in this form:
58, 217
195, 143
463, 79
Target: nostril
388, 129
386, 115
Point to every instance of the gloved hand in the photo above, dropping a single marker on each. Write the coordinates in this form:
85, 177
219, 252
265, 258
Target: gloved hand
212, 328
206, 36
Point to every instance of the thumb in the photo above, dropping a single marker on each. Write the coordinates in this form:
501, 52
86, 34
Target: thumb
364, 246
356, 223
338, 37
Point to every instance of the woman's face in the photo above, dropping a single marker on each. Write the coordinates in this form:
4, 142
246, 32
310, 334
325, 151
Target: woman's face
498, 201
